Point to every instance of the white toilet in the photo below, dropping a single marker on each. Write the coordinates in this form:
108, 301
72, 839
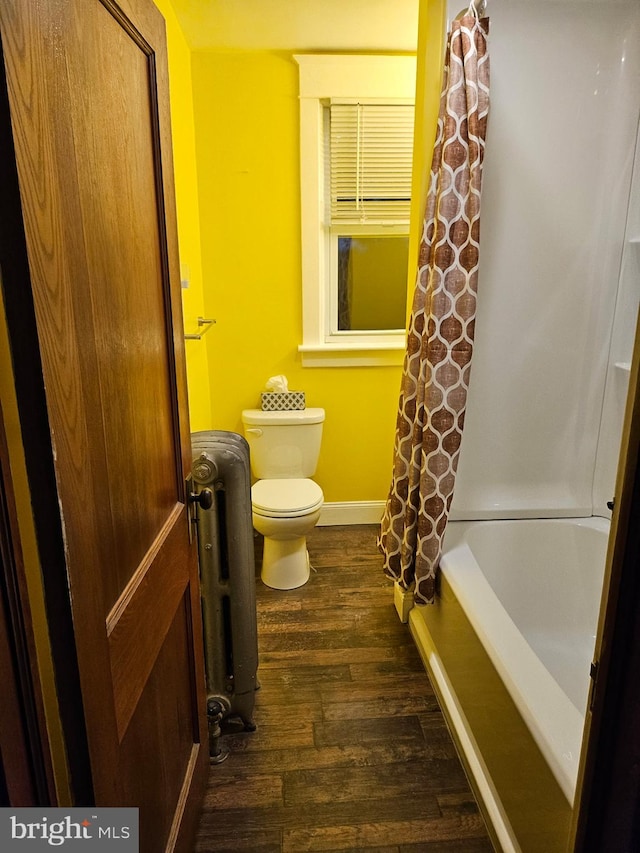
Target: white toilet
286, 504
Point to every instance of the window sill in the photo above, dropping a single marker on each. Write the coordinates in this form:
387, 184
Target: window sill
352, 355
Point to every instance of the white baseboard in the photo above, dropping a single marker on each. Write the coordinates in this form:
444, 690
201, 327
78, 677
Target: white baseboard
351, 512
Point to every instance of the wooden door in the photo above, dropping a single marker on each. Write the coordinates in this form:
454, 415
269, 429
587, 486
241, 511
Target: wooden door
88, 102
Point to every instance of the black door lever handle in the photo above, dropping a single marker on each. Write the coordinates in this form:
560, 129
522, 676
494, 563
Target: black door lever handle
204, 498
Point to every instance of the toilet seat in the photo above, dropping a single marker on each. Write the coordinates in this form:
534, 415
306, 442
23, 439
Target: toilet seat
286, 498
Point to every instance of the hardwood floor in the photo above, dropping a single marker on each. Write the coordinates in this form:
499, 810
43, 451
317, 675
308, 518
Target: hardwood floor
351, 752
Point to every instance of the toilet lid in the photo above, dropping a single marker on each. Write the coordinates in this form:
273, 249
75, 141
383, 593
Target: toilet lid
285, 497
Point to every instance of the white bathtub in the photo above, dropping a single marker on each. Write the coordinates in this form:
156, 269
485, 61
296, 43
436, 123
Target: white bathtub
531, 590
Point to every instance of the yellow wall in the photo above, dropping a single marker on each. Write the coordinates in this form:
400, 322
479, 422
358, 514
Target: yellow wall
182, 125
245, 114
247, 132
431, 37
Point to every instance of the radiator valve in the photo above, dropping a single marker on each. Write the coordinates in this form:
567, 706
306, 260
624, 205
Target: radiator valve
215, 712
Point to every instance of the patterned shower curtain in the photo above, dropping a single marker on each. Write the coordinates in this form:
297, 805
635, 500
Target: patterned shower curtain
440, 339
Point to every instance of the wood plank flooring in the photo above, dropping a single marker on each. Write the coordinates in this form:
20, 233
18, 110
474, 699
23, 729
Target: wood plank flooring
351, 752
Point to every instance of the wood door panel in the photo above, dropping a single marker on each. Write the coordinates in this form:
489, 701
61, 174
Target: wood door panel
116, 137
121, 334
172, 762
138, 625
88, 92
39, 101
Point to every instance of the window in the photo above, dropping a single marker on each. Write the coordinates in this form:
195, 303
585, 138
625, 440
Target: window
356, 132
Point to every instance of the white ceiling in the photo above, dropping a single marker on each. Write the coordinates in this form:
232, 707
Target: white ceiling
376, 25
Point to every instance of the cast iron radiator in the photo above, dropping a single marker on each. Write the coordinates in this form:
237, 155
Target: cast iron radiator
221, 495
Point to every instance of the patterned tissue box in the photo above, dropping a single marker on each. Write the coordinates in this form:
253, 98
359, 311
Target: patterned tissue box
281, 401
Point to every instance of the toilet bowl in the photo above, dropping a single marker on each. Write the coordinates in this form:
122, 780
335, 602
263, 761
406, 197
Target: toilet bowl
284, 512
286, 504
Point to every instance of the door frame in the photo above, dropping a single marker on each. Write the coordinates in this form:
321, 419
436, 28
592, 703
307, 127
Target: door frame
607, 815
26, 769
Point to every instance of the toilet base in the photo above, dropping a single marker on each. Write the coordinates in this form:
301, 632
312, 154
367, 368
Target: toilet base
285, 563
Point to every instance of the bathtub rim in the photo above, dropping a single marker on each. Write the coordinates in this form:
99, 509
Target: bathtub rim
557, 728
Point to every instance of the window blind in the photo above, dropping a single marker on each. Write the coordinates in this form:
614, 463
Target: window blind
370, 156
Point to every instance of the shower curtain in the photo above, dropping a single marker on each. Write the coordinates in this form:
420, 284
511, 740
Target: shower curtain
441, 330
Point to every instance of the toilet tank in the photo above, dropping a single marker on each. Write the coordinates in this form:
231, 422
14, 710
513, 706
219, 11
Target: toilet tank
283, 445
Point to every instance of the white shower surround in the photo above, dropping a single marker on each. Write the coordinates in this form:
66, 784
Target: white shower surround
565, 100
558, 296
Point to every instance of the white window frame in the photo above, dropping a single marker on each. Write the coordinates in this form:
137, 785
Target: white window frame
323, 78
